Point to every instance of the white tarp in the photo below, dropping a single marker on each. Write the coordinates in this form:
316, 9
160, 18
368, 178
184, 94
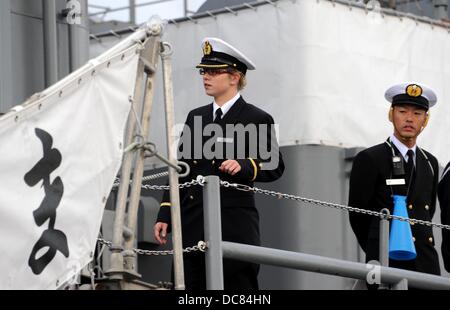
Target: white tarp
59, 158
321, 70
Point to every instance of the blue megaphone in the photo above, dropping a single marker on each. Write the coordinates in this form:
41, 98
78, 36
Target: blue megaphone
401, 245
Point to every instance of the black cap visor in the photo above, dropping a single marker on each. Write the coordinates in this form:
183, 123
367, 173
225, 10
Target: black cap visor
420, 101
221, 60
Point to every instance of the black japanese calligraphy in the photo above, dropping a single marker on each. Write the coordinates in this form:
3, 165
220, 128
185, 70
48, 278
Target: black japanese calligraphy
54, 240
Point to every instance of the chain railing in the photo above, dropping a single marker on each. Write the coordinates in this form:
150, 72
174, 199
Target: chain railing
150, 178
256, 190
202, 246
167, 187
144, 179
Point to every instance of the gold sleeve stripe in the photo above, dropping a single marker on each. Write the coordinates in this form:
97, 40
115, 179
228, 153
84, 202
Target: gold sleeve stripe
165, 204
255, 169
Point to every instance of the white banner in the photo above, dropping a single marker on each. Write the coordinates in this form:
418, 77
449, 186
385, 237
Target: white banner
58, 161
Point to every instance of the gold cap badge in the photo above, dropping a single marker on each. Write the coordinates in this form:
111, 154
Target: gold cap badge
207, 48
414, 90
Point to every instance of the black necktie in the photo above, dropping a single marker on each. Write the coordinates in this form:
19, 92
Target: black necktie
410, 163
216, 120
218, 115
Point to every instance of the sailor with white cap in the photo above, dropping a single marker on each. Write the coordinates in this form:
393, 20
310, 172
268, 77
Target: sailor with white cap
221, 57
219, 54
223, 68
398, 167
411, 93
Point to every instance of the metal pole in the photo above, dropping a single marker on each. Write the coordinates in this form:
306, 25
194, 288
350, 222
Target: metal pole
133, 12
440, 9
327, 265
177, 241
384, 243
384, 238
213, 233
79, 38
6, 101
151, 55
50, 42
185, 6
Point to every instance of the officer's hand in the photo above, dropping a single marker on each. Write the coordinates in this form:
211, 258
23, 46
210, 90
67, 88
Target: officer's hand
230, 166
160, 232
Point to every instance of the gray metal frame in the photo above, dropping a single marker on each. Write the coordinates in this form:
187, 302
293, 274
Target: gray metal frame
398, 278
150, 54
117, 261
123, 257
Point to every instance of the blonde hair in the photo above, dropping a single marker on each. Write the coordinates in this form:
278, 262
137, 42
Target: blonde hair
242, 81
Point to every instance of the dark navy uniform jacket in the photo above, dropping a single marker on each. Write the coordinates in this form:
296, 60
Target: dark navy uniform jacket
240, 220
444, 202
368, 190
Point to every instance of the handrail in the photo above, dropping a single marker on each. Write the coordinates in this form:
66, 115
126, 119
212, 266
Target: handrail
331, 266
217, 249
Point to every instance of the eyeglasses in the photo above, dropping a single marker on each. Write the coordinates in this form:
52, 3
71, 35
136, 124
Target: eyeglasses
213, 72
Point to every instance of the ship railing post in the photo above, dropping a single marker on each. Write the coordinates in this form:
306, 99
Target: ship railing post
384, 242
213, 233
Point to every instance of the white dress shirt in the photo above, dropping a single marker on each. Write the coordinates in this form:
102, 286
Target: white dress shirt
226, 106
403, 148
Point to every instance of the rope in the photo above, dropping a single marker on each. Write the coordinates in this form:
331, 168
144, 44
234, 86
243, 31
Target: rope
158, 187
144, 179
